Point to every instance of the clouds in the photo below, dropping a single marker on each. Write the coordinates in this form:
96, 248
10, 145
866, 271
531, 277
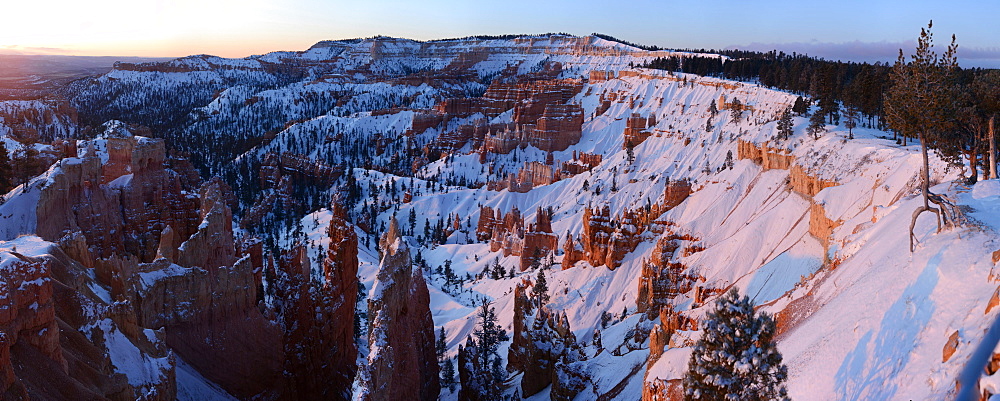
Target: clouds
882, 51
32, 50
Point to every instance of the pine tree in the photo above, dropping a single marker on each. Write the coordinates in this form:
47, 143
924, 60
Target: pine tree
6, 170
481, 360
921, 104
785, 124
817, 124
850, 119
737, 109
541, 289
984, 89
713, 109
736, 357
801, 107
441, 345
448, 374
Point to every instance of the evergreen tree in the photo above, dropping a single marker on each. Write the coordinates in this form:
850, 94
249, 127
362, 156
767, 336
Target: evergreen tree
485, 377
447, 367
921, 104
817, 124
737, 109
785, 124
801, 106
987, 103
26, 164
441, 345
541, 289
448, 374
6, 170
850, 119
736, 357
713, 109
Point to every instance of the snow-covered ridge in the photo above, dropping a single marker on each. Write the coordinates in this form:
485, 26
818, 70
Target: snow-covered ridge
754, 231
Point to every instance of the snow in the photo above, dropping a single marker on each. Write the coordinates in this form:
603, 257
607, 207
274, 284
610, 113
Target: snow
986, 189
138, 367
192, 386
149, 279
870, 318
671, 365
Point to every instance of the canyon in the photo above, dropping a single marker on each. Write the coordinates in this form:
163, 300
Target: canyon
329, 223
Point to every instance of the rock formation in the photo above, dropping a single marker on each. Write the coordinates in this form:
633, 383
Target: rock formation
179, 284
764, 155
507, 233
605, 242
340, 271
402, 364
635, 130
662, 280
541, 116
542, 340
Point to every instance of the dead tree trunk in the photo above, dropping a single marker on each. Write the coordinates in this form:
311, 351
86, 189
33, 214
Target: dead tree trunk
993, 150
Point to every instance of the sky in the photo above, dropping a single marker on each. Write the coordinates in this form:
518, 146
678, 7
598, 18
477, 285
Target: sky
859, 30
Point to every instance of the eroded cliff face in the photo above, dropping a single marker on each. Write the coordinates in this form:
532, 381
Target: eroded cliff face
402, 364
340, 270
142, 262
27, 315
800, 180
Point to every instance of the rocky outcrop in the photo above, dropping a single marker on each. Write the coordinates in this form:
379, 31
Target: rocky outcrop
661, 337
779, 158
402, 364
604, 241
674, 193
340, 272
541, 116
662, 280
663, 390
572, 252
154, 200
582, 162
559, 127
279, 176
950, 347
168, 256
530, 97
542, 341
821, 226
766, 156
531, 175
805, 183
507, 233
635, 130
300, 167
56, 345
27, 314
318, 323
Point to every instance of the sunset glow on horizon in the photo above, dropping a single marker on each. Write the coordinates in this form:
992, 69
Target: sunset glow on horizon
239, 28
